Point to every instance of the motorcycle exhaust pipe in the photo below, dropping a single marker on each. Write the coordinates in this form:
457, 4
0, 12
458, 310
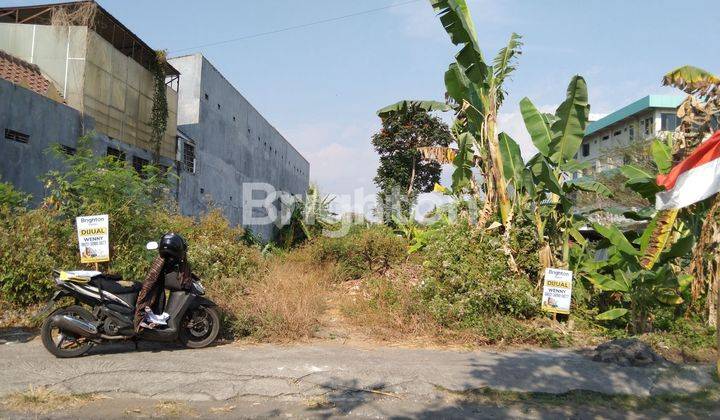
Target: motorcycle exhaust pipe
75, 326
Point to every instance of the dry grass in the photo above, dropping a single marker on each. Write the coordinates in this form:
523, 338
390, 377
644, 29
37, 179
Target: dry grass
174, 409
284, 305
42, 400
388, 307
224, 409
18, 316
319, 402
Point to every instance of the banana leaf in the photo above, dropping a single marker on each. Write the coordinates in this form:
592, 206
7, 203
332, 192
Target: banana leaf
612, 314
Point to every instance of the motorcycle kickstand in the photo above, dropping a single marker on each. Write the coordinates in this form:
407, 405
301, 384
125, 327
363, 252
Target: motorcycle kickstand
135, 342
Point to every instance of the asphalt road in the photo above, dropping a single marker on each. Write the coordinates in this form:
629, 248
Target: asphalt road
264, 380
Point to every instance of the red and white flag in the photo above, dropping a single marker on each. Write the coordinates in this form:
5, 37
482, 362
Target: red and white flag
694, 179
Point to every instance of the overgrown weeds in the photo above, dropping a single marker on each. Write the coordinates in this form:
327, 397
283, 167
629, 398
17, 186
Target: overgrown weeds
175, 409
363, 251
285, 304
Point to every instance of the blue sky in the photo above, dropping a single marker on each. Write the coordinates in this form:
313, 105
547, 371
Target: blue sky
320, 85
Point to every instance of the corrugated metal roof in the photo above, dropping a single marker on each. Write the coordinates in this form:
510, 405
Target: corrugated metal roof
650, 101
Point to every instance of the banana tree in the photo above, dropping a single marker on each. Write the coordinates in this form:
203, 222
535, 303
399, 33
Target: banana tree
699, 111
308, 218
547, 181
633, 290
475, 90
699, 114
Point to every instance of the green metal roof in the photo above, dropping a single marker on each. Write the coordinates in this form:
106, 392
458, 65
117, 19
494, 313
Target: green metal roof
650, 101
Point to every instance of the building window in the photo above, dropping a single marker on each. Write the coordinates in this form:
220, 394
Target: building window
631, 133
68, 150
617, 133
16, 136
606, 137
648, 126
668, 122
116, 153
138, 164
586, 149
189, 157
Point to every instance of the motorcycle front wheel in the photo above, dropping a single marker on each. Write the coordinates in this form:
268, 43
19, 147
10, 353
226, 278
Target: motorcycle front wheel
63, 344
199, 327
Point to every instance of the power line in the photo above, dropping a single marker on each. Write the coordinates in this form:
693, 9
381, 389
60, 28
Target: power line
290, 28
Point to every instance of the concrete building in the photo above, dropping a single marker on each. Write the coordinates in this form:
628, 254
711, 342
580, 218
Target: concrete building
32, 123
225, 143
69, 69
607, 139
72, 78
100, 67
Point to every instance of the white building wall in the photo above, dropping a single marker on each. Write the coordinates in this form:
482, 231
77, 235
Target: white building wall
605, 147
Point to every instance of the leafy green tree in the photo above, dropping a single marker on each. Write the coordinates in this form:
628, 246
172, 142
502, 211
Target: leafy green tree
402, 173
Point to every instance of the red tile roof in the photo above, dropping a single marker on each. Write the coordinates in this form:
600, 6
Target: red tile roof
27, 75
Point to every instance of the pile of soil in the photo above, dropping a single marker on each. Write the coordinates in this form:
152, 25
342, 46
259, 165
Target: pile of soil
626, 352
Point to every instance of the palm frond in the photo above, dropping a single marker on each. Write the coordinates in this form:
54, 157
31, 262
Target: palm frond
407, 105
692, 80
439, 154
505, 63
455, 18
660, 229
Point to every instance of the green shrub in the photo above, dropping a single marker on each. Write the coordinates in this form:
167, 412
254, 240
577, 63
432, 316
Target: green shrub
32, 243
216, 249
11, 198
363, 251
467, 278
104, 185
36, 241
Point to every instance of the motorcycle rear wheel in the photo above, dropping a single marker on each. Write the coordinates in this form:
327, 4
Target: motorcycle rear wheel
61, 344
199, 327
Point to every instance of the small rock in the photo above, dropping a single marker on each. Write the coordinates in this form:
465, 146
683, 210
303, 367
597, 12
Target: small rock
626, 352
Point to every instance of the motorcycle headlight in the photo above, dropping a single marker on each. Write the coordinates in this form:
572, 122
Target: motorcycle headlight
199, 288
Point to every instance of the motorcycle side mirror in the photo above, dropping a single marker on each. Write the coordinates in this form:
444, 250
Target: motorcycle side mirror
151, 245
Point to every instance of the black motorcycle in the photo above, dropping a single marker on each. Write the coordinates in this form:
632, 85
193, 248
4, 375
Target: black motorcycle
73, 330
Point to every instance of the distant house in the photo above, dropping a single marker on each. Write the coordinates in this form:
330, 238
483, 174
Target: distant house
644, 119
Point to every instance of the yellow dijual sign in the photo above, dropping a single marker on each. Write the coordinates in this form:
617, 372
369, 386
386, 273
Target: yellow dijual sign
557, 291
93, 238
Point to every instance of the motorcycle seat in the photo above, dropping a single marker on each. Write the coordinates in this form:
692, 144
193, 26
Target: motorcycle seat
116, 286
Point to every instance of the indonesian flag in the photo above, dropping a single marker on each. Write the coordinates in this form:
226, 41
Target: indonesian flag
694, 179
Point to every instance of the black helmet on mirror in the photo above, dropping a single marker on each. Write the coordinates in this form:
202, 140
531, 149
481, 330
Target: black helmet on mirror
172, 246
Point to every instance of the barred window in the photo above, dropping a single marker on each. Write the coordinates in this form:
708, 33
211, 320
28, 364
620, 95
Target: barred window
138, 164
189, 157
116, 153
68, 150
16, 136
